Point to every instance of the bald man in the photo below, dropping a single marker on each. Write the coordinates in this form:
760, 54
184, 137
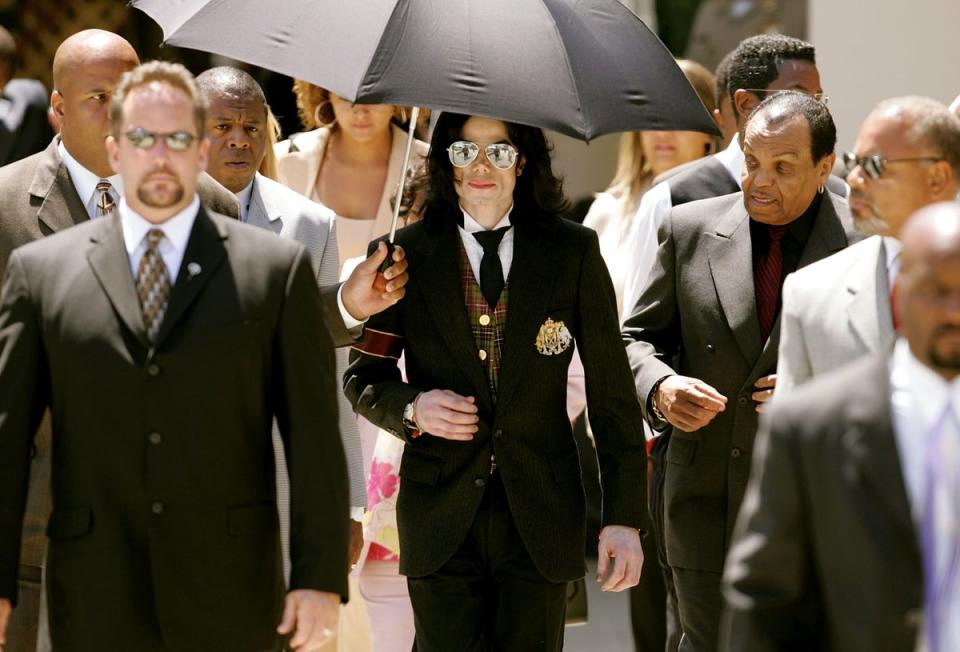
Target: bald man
68, 183
907, 155
848, 515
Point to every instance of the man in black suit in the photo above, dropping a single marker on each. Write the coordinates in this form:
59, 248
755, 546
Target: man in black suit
24, 127
850, 517
165, 338
51, 191
491, 506
702, 340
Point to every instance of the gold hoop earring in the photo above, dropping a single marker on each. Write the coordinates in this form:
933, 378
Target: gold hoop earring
316, 116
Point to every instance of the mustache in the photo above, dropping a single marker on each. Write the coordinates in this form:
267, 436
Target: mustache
945, 329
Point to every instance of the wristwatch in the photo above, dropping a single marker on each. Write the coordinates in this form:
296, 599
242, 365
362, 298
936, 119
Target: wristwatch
410, 418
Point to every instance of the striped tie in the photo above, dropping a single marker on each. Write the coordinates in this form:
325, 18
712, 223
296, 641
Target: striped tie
105, 204
768, 278
153, 285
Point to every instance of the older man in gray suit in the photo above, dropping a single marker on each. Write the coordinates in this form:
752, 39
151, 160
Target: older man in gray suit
68, 183
702, 339
907, 156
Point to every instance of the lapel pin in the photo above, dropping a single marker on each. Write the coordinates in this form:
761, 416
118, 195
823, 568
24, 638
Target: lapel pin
194, 269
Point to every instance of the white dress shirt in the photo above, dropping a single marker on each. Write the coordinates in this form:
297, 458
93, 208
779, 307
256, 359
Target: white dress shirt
919, 399
86, 182
244, 197
475, 249
176, 231
892, 249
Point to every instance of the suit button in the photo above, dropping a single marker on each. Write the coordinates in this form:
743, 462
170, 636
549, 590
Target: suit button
155, 438
482, 354
710, 348
498, 433
735, 453
479, 482
157, 507
484, 320
153, 370
743, 400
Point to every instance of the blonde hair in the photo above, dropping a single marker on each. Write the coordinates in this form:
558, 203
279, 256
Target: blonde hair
634, 172
163, 72
268, 166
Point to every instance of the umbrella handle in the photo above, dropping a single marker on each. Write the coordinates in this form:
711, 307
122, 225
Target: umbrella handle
400, 185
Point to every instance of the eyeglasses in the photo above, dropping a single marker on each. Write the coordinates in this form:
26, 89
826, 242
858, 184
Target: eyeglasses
876, 164
177, 141
502, 156
821, 97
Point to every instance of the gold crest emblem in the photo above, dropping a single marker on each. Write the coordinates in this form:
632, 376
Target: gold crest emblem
553, 338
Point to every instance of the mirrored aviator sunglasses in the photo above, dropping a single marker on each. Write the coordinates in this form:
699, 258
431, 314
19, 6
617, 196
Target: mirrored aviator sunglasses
177, 141
502, 156
875, 165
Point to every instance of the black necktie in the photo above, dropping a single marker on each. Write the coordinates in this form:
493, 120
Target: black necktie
491, 269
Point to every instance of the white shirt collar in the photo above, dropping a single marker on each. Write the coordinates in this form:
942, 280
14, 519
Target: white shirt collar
83, 179
732, 158
929, 391
244, 198
470, 225
176, 229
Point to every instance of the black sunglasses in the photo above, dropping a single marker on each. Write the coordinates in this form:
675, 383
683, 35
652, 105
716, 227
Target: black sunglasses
875, 165
176, 140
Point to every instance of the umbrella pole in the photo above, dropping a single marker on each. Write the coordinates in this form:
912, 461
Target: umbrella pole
403, 172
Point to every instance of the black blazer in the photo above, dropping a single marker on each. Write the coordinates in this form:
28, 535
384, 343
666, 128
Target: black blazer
557, 273
825, 555
164, 503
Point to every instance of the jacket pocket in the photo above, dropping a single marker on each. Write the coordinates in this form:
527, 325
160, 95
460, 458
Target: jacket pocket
420, 469
252, 519
70, 522
681, 451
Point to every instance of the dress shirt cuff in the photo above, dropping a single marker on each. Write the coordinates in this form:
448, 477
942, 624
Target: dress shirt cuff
348, 319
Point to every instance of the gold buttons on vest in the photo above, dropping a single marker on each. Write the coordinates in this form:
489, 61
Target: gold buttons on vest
484, 320
483, 354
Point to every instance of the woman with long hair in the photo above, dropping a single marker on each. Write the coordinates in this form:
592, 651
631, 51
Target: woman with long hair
643, 155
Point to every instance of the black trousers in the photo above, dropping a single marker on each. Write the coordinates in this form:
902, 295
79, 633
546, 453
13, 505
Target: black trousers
489, 596
673, 629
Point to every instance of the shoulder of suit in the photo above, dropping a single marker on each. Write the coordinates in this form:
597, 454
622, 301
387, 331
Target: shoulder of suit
815, 406
706, 211
19, 169
293, 202
833, 268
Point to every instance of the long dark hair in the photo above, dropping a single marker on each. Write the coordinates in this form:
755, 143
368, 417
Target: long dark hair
538, 195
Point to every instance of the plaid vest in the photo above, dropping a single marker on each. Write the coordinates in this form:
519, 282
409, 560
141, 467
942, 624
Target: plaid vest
488, 325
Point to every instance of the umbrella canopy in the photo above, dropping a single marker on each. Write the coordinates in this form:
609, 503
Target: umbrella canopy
579, 67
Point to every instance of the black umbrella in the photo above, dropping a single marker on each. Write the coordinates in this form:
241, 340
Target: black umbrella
580, 67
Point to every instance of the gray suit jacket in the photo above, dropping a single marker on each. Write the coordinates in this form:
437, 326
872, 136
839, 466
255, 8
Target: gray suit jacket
291, 215
697, 317
834, 311
39, 199
825, 555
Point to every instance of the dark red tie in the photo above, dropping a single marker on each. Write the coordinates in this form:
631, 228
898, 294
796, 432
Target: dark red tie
768, 277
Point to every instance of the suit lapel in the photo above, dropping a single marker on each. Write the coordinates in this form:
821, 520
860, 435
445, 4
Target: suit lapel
263, 212
731, 265
868, 310
205, 251
872, 460
532, 276
826, 237
439, 283
111, 266
61, 206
